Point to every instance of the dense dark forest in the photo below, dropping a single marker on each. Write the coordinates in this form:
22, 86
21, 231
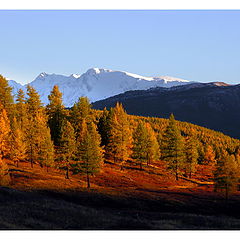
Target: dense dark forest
211, 105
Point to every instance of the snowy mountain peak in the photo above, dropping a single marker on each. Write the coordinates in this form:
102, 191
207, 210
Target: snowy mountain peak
96, 84
75, 75
93, 71
42, 75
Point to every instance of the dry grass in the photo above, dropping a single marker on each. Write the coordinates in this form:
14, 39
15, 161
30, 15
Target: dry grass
128, 199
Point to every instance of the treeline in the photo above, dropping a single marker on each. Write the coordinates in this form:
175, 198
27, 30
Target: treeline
80, 139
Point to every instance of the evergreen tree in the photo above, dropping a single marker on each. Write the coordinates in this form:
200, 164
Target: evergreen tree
34, 104
191, 155
6, 98
19, 129
18, 146
152, 145
4, 133
104, 126
4, 145
209, 156
39, 145
33, 139
34, 112
201, 153
81, 110
159, 140
89, 154
120, 140
237, 156
226, 175
172, 147
56, 114
21, 110
67, 146
140, 144
45, 154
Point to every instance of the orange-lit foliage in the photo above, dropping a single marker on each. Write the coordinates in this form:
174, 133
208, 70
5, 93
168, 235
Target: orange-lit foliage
200, 148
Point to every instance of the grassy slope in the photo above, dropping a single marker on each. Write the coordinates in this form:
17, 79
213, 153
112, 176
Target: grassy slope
129, 199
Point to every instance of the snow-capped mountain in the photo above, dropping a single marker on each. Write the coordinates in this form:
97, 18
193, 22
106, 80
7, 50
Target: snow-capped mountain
96, 84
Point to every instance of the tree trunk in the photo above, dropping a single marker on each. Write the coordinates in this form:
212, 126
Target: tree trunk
31, 157
177, 171
141, 165
190, 174
47, 168
185, 173
176, 175
88, 181
67, 173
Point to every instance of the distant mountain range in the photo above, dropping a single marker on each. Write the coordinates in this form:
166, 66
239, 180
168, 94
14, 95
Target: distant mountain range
213, 105
96, 84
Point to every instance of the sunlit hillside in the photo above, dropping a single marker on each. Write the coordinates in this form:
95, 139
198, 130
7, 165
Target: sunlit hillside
80, 168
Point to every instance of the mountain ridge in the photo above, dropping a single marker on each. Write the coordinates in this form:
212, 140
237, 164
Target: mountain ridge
95, 83
205, 104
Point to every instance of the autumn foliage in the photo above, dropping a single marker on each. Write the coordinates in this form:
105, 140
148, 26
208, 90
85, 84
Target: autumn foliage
79, 140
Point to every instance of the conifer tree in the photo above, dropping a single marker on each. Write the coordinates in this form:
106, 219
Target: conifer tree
45, 154
159, 140
209, 156
4, 144
21, 110
152, 144
191, 155
56, 114
19, 129
67, 146
39, 145
237, 156
120, 140
33, 136
18, 146
4, 133
226, 175
104, 126
172, 147
34, 105
89, 154
33, 139
140, 144
201, 153
6, 98
80, 110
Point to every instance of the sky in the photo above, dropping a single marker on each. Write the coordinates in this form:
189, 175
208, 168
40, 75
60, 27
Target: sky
194, 45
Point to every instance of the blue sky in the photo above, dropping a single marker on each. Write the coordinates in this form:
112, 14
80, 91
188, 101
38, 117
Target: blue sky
195, 45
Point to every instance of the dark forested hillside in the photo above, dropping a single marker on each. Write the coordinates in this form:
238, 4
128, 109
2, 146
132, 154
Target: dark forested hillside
212, 105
